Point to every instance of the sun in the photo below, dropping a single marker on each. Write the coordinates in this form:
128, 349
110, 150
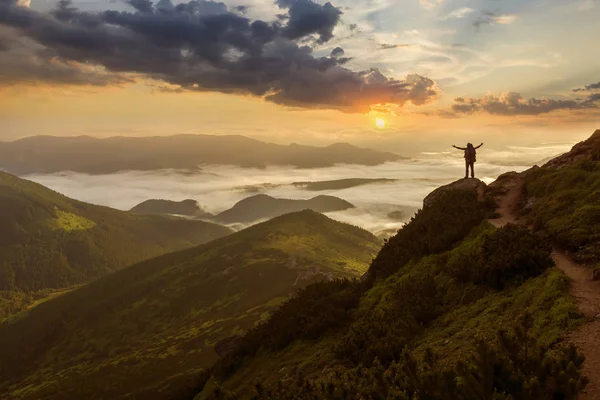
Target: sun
380, 123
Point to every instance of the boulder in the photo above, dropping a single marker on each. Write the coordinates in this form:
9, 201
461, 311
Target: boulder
466, 184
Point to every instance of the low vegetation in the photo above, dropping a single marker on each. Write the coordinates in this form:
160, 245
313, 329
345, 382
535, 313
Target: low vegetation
566, 206
147, 331
435, 319
50, 242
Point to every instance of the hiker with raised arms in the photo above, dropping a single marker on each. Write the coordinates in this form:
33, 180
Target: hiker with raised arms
470, 158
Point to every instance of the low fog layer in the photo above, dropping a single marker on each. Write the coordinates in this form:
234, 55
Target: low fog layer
218, 188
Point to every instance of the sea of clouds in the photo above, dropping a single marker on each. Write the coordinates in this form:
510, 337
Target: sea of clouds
219, 187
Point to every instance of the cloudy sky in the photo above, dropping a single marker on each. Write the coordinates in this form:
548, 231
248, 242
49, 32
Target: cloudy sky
431, 71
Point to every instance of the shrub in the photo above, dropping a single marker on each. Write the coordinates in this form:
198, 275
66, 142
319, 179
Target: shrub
432, 230
515, 367
506, 256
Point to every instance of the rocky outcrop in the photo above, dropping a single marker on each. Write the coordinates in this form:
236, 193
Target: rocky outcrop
190, 208
587, 150
466, 184
505, 183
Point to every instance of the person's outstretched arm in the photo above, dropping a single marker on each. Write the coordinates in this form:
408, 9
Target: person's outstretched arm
460, 148
479, 146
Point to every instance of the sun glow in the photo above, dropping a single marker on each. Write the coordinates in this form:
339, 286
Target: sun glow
380, 123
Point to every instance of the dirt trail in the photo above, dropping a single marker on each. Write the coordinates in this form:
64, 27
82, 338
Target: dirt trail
585, 291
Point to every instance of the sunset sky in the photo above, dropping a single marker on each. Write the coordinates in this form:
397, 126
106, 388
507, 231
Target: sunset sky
436, 72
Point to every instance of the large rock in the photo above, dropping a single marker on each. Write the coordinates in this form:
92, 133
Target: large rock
466, 184
188, 207
505, 183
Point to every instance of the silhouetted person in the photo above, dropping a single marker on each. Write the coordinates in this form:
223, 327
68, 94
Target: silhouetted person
470, 158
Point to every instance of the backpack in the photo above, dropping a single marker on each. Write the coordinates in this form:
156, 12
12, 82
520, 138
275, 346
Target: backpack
471, 154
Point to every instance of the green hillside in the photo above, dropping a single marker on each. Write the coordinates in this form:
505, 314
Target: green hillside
563, 200
147, 331
49, 242
452, 308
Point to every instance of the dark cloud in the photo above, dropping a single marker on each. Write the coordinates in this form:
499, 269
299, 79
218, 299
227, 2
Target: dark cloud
241, 9
307, 18
337, 52
485, 18
140, 5
165, 5
23, 60
201, 46
593, 98
490, 18
592, 86
386, 46
512, 103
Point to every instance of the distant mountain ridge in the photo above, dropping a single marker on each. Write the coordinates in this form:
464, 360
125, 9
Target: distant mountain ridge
262, 206
49, 154
188, 207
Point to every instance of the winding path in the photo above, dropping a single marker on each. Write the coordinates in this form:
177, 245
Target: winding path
586, 292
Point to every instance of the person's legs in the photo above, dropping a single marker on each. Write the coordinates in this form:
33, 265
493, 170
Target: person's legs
472, 164
466, 168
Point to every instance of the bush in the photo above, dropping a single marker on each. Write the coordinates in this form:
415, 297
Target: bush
515, 367
432, 230
507, 256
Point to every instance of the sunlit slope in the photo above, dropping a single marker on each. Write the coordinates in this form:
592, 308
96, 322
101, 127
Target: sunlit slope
148, 330
451, 308
48, 241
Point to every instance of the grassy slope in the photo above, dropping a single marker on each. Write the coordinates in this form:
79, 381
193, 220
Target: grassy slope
149, 329
457, 288
49, 241
566, 203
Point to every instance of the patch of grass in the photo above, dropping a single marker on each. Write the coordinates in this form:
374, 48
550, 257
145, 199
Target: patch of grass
566, 207
71, 222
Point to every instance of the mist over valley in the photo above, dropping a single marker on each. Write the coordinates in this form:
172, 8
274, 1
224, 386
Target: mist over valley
385, 196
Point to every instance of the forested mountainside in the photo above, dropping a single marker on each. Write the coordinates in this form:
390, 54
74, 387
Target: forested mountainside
149, 330
49, 242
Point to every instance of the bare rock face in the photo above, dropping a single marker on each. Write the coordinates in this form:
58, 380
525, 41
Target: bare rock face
466, 184
587, 150
596, 275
